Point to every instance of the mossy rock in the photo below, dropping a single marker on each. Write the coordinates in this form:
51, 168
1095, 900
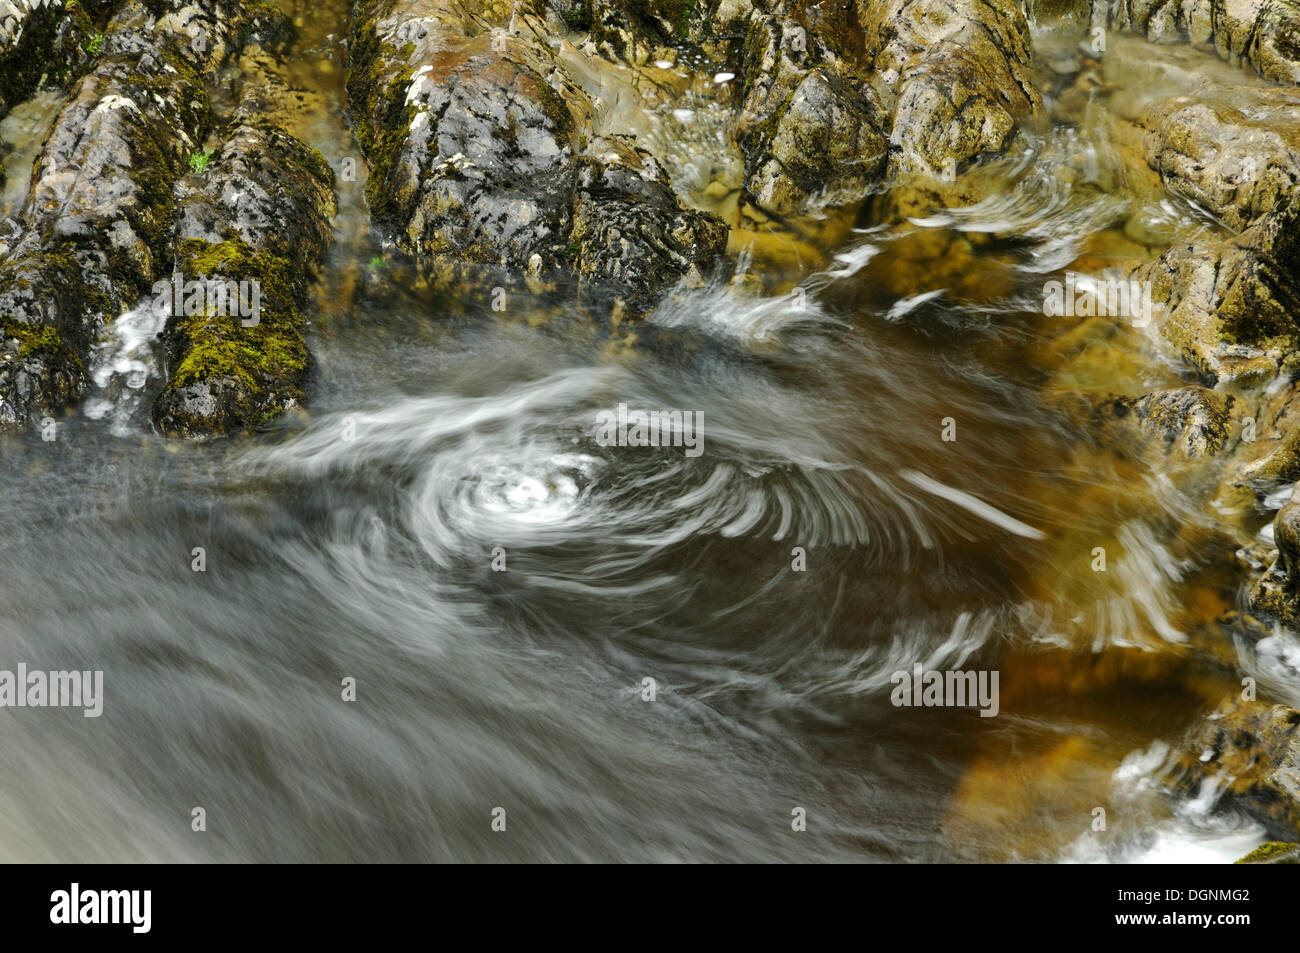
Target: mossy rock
258, 22
227, 377
40, 374
378, 99
54, 47
1274, 852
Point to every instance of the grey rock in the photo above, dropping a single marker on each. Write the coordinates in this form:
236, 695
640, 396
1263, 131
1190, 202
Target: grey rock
483, 161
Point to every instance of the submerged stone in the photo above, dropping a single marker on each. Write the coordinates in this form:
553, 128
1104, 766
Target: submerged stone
1248, 753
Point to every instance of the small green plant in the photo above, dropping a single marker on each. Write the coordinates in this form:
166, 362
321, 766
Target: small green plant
199, 162
377, 262
94, 44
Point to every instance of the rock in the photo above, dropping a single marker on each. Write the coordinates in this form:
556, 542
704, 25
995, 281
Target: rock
631, 30
484, 161
99, 210
1235, 151
1195, 421
629, 236
955, 74
837, 98
1249, 753
41, 42
261, 213
811, 126
1273, 852
1269, 454
1286, 533
96, 229
1230, 303
1276, 593
1262, 33
822, 144
42, 370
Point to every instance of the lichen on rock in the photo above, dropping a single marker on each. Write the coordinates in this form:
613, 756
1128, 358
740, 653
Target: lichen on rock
1235, 151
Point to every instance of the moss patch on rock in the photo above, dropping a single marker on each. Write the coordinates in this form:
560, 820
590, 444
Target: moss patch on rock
1274, 852
37, 340
227, 376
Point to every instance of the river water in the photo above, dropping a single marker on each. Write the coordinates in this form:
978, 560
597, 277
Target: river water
446, 530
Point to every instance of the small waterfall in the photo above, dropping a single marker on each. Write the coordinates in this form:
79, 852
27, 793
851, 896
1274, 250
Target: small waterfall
124, 362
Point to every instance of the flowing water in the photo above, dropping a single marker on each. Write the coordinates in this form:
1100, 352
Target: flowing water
446, 529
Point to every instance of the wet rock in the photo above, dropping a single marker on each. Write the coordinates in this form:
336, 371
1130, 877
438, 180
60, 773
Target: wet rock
632, 30
812, 128
261, 214
628, 234
41, 42
1234, 151
258, 218
1275, 592
484, 162
94, 232
99, 210
837, 98
42, 369
823, 144
1230, 305
1249, 753
1262, 33
833, 97
956, 76
1269, 454
1195, 421
1286, 533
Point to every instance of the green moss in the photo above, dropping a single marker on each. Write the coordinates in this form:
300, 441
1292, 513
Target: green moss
578, 17
684, 20
384, 117
33, 339
154, 167
258, 22
153, 175
1271, 849
271, 355
318, 167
